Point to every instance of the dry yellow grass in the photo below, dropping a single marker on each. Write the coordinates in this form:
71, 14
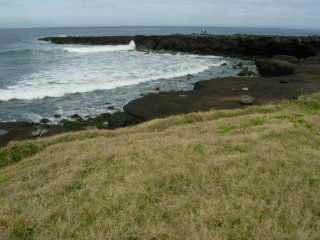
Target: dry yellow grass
241, 174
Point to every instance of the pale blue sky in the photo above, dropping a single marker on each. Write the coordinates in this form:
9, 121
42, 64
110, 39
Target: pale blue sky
246, 13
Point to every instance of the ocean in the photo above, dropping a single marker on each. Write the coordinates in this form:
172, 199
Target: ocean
40, 80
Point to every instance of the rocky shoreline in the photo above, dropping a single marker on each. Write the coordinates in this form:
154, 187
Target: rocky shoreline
230, 45
288, 67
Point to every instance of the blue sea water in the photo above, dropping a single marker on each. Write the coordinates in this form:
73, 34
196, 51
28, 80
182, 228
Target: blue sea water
39, 80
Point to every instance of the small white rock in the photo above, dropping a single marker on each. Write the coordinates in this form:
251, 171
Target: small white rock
247, 100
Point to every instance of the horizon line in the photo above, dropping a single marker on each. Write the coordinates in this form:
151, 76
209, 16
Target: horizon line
161, 26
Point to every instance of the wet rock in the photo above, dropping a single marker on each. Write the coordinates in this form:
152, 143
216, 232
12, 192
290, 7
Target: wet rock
39, 132
275, 67
111, 108
57, 116
223, 64
189, 76
247, 99
3, 132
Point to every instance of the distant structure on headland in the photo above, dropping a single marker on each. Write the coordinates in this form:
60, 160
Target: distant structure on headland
204, 32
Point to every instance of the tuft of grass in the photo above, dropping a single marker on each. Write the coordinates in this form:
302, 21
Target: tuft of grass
22, 230
3, 179
17, 152
247, 123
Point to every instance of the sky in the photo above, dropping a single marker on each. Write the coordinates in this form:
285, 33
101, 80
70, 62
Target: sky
241, 13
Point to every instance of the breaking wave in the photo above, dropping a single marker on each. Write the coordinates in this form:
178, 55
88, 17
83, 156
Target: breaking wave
96, 49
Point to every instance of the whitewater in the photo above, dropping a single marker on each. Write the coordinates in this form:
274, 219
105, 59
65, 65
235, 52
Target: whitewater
43, 80
79, 69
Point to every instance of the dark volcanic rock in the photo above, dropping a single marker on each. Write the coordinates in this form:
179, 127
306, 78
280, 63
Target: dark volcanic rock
121, 119
271, 67
223, 93
236, 45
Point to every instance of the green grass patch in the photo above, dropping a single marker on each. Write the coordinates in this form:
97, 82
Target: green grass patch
225, 128
17, 152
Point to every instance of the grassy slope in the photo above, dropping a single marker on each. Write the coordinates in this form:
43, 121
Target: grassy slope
241, 174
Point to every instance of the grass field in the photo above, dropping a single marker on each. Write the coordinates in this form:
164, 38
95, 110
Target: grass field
243, 174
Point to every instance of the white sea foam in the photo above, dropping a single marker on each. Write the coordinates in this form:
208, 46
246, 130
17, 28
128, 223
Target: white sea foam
96, 49
72, 74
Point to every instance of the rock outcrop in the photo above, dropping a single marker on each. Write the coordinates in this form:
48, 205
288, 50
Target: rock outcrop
272, 67
235, 45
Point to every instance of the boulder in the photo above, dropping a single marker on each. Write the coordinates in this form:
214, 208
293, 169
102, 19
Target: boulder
312, 60
286, 58
121, 119
275, 67
247, 99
